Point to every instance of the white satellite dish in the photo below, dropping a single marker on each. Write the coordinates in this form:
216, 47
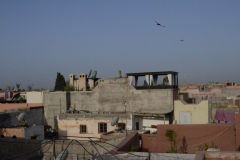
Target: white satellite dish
115, 120
20, 117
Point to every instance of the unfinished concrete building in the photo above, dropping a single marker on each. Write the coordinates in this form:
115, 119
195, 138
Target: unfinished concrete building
146, 99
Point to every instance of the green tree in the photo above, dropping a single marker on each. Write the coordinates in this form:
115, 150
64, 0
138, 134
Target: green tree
60, 82
172, 137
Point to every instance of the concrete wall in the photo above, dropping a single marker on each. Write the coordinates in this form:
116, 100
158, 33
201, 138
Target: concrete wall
149, 122
34, 97
54, 104
110, 95
199, 112
70, 125
37, 131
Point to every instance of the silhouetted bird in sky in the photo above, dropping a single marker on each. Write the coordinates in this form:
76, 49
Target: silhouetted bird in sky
158, 24
181, 40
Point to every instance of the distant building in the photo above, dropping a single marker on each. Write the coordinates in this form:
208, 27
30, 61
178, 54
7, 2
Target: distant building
185, 113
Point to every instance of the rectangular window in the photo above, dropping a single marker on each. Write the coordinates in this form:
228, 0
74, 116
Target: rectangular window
121, 126
83, 129
102, 127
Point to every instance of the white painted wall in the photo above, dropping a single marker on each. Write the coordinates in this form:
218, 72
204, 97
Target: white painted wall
34, 97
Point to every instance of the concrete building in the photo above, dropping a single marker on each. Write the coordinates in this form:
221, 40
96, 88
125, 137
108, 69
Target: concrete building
91, 125
151, 102
185, 113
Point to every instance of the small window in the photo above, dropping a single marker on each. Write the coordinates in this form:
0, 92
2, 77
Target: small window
102, 127
137, 125
121, 126
83, 129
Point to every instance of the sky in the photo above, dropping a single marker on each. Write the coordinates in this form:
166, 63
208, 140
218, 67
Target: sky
40, 38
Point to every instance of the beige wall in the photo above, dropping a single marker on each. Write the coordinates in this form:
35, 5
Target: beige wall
199, 112
34, 97
71, 127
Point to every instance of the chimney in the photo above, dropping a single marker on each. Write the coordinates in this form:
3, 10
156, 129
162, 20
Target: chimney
82, 82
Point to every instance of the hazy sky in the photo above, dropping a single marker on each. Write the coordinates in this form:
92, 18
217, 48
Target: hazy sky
39, 38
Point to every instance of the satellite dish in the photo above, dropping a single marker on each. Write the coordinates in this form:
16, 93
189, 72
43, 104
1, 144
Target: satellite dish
115, 120
93, 75
89, 74
20, 117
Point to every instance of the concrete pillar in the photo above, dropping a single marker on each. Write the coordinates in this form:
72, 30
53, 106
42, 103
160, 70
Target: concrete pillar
155, 79
170, 80
130, 78
82, 82
71, 80
136, 80
147, 77
151, 80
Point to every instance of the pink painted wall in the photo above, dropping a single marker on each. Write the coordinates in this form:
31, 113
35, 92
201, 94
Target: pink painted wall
13, 107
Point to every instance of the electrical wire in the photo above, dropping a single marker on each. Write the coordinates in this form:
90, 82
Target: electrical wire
66, 149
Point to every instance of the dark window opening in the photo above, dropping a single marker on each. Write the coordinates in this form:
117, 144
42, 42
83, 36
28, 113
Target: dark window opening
121, 126
83, 129
137, 125
102, 127
34, 137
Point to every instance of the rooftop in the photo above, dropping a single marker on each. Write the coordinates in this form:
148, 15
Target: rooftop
152, 73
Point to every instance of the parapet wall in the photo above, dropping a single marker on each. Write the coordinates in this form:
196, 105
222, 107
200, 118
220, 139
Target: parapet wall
224, 137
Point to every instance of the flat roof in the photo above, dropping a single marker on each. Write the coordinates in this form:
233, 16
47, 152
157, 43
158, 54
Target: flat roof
152, 73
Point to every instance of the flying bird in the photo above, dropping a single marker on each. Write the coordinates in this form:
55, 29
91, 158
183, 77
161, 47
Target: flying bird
158, 24
181, 40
